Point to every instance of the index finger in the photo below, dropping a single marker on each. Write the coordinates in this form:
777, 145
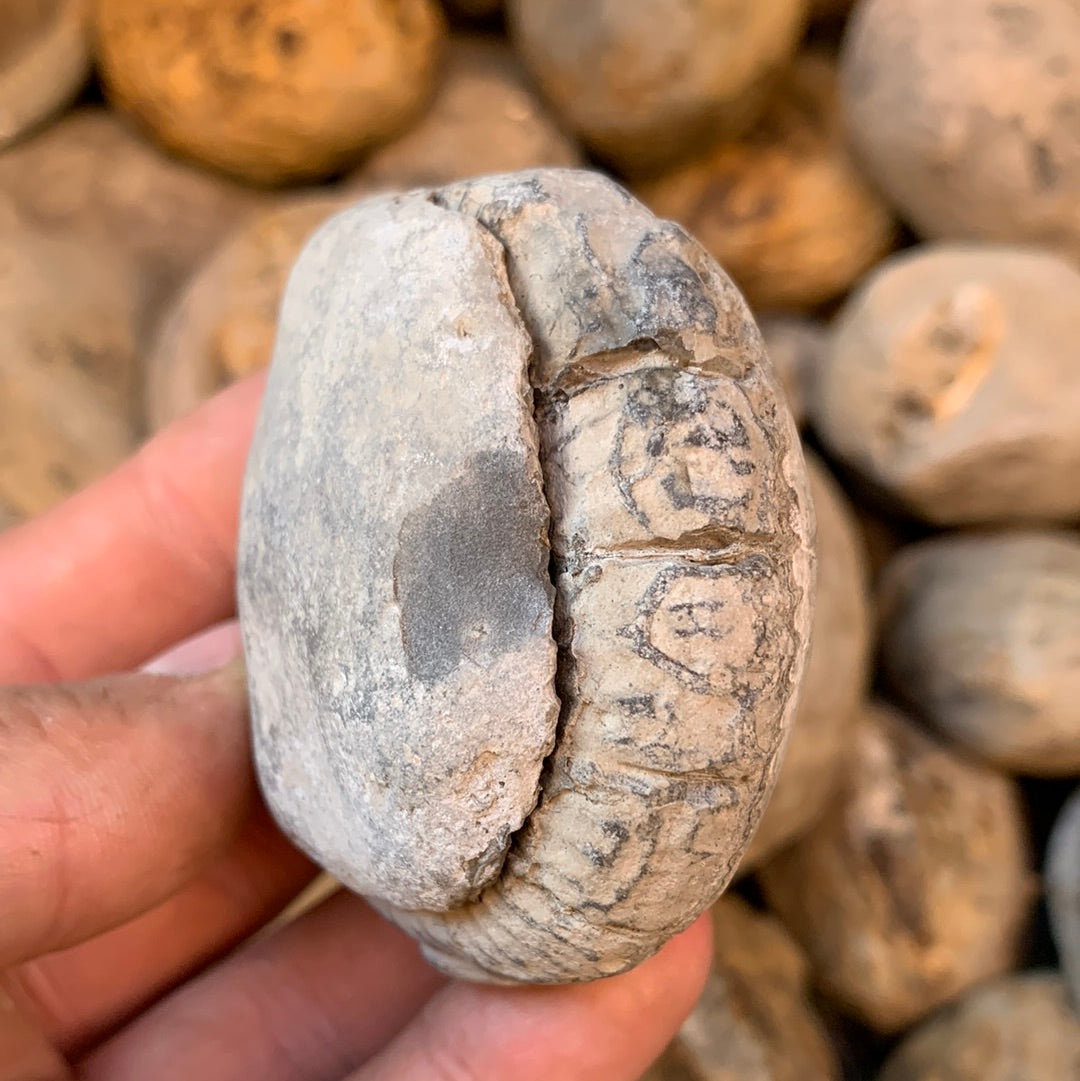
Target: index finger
137, 561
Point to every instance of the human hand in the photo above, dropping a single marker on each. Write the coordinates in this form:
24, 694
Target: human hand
136, 859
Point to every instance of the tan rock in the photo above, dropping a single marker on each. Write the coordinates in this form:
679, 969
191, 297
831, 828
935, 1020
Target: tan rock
915, 884
426, 769
271, 91
966, 115
485, 118
646, 83
754, 1021
1018, 1027
783, 209
90, 176
221, 327
68, 366
837, 675
979, 635
951, 385
44, 60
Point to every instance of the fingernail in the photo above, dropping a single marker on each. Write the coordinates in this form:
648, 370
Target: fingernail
205, 652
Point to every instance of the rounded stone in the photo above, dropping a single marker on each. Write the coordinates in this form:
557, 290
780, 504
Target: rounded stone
967, 115
979, 636
44, 61
646, 83
1062, 877
531, 708
91, 176
221, 327
271, 91
754, 1020
915, 884
951, 385
784, 209
797, 345
68, 366
1019, 1027
485, 118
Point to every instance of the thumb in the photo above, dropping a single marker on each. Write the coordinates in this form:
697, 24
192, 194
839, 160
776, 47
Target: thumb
113, 794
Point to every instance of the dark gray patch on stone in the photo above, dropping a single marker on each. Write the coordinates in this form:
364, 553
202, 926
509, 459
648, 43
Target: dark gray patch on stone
466, 577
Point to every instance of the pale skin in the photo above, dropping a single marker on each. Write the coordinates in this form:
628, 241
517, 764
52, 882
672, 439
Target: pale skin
135, 853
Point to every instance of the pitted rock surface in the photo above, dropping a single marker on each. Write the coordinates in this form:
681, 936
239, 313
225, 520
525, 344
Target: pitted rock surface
525, 572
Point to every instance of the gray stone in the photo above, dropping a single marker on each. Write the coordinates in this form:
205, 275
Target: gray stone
1062, 875
440, 353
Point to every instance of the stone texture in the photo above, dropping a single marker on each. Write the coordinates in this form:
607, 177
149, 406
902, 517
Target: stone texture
914, 886
979, 635
44, 60
1017, 1029
1062, 877
647, 83
966, 114
485, 118
68, 366
754, 1020
90, 176
271, 91
783, 209
796, 345
408, 738
951, 385
836, 680
222, 326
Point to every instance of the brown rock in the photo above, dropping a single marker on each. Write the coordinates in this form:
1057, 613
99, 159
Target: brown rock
271, 91
44, 60
222, 326
783, 209
68, 366
436, 352
914, 886
754, 1021
646, 82
1062, 877
1017, 1029
966, 115
979, 635
485, 118
951, 385
90, 176
837, 675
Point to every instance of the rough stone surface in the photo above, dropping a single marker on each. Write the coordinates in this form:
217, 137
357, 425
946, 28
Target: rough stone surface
68, 366
408, 737
485, 118
91, 176
271, 91
646, 82
221, 327
1062, 877
914, 885
754, 1021
979, 635
967, 114
796, 345
1017, 1029
783, 209
951, 384
837, 675
44, 60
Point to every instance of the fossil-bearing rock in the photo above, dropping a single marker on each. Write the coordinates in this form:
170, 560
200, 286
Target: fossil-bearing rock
524, 572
